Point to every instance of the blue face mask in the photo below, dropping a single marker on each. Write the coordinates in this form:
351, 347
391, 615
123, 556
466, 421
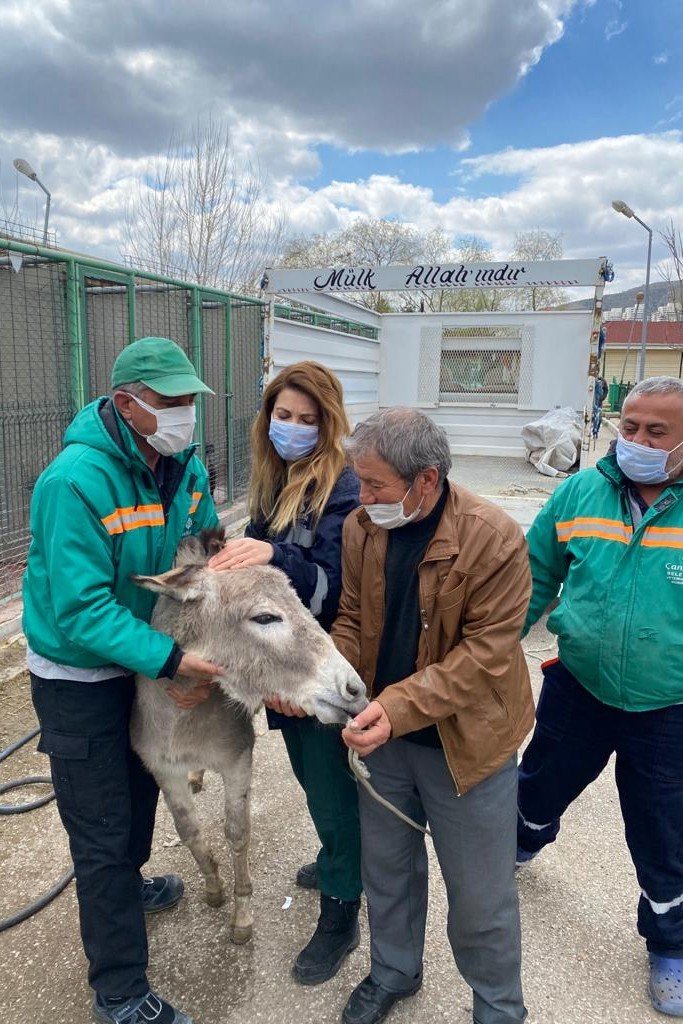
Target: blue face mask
642, 464
292, 441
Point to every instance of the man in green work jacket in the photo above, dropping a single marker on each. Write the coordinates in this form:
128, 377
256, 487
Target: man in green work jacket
117, 500
612, 539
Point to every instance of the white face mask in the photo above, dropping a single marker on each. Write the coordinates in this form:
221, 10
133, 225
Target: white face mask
175, 427
390, 515
642, 464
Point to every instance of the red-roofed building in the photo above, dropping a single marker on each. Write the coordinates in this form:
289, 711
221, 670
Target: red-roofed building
664, 349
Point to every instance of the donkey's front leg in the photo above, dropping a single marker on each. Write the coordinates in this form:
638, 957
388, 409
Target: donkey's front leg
175, 787
237, 787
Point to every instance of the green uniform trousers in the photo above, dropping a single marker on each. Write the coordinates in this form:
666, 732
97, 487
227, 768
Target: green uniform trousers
319, 760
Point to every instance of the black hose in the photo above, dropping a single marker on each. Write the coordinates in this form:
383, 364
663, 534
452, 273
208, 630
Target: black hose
42, 901
12, 749
29, 780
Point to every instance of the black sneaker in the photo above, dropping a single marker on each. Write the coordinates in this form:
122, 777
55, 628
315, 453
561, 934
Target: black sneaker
336, 935
161, 892
149, 1009
307, 876
369, 1003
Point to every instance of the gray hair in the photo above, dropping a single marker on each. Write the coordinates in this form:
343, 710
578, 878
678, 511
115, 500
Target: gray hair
136, 387
406, 439
656, 386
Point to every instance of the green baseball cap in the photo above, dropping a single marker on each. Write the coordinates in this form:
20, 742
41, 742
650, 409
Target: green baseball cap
159, 364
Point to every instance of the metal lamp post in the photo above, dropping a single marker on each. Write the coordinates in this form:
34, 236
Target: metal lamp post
621, 207
24, 167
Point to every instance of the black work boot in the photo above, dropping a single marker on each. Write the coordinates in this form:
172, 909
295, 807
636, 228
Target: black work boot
307, 876
336, 935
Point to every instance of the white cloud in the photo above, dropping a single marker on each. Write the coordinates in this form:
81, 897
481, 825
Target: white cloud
566, 189
614, 27
389, 75
661, 58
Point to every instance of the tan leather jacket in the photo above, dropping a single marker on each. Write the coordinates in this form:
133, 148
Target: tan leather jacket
471, 678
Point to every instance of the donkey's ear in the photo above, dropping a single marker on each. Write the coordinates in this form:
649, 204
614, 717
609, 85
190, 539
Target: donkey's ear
198, 549
212, 540
187, 583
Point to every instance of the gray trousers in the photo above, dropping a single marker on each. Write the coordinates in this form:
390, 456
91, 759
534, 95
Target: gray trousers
475, 839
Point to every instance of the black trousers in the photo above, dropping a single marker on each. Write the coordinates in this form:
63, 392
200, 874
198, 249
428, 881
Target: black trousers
574, 738
107, 802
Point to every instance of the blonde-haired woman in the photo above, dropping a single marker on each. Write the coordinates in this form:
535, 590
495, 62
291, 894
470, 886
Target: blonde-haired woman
300, 494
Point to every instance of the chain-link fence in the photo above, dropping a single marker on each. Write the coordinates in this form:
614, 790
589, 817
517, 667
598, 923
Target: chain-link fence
35, 397
63, 321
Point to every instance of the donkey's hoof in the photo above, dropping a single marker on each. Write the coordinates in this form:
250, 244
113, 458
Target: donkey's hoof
241, 933
215, 897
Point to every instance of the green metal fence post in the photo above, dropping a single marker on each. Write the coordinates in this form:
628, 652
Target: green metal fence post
130, 289
80, 387
197, 359
229, 419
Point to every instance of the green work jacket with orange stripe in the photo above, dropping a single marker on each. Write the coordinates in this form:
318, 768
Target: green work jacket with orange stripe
96, 517
619, 621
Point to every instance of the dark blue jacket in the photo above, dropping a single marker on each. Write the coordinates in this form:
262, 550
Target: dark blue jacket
311, 557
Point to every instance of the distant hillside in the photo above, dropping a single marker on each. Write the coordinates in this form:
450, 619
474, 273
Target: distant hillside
659, 296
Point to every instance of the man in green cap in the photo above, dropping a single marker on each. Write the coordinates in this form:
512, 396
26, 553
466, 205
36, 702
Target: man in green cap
117, 500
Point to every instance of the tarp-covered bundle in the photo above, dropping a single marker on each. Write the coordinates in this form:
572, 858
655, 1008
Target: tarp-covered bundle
553, 442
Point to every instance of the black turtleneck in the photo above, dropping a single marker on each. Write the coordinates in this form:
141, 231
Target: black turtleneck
406, 548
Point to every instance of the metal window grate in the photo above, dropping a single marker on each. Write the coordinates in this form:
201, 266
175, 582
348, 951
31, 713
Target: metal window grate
475, 373
481, 331
480, 364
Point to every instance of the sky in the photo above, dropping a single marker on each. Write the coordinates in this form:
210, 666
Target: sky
480, 117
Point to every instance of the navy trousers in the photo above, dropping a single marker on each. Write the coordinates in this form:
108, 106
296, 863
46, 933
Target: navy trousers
574, 738
107, 802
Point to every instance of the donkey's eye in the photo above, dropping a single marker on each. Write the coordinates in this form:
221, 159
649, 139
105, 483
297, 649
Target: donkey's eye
266, 620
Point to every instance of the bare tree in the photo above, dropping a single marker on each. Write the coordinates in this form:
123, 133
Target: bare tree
203, 213
671, 270
371, 241
436, 248
379, 242
538, 245
322, 250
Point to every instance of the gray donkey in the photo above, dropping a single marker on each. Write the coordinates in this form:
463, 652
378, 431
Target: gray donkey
251, 622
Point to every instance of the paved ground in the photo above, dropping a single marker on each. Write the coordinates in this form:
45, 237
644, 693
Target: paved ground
584, 962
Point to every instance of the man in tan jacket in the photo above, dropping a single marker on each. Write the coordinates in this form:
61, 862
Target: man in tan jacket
436, 585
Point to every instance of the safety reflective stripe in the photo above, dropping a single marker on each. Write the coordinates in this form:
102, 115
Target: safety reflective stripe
663, 908
594, 526
196, 498
122, 520
663, 537
530, 824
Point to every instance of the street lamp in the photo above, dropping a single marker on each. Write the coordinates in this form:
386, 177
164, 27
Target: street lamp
621, 207
24, 167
